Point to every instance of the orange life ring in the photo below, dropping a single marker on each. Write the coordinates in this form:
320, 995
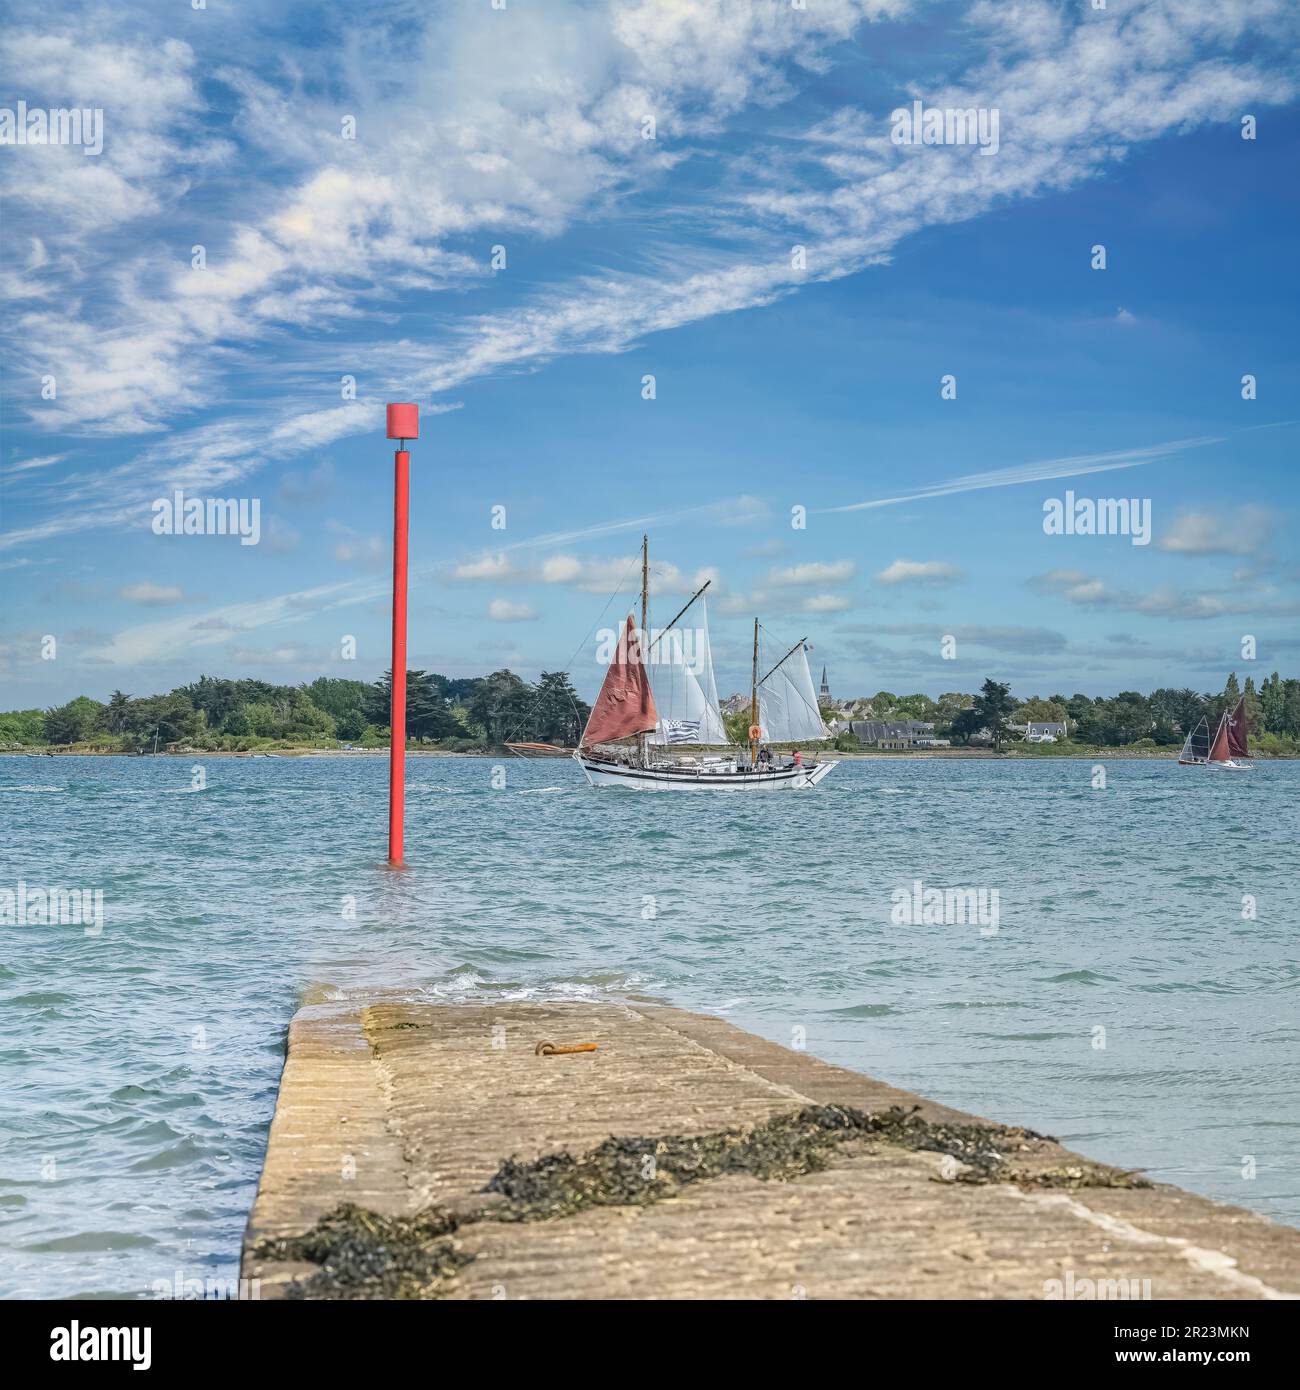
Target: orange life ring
755, 733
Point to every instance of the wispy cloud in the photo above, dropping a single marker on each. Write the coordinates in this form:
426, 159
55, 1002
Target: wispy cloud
467, 142
1039, 472
146, 642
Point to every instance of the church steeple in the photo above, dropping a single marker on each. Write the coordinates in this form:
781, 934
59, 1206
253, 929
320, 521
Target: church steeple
824, 694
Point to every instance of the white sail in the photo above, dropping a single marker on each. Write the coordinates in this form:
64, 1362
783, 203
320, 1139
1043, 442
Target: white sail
705, 665
687, 702
787, 703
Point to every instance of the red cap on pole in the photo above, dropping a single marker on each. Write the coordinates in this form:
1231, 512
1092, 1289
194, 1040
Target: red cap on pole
404, 421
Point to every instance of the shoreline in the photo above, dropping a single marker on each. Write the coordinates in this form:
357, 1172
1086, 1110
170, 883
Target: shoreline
867, 755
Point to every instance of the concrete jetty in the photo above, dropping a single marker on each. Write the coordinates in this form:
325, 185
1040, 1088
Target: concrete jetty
424, 1150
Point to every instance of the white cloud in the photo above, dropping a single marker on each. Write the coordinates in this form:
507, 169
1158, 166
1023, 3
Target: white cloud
623, 575
370, 552
469, 135
561, 569
1216, 533
501, 610
151, 593
832, 572
918, 572
485, 567
32, 464
1176, 604
825, 603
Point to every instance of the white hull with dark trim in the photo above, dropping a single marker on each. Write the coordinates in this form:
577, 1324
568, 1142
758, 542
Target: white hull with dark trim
671, 779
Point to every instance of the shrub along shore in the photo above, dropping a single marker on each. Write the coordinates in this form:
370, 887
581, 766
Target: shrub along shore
480, 715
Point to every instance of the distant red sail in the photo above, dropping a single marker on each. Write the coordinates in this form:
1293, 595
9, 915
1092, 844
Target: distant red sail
625, 704
1221, 752
1237, 731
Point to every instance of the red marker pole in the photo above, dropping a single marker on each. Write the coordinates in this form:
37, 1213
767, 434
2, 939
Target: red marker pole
403, 424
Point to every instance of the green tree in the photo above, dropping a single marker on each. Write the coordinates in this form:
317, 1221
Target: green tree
73, 722
915, 707
1254, 708
351, 724
236, 723
1077, 707
427, 714
23, 726
1126, 718
171, 717
1181, 708
557, 715
1272, 701
966, 723
113, 718
1291, 708
336, 696
215, 696
1041, 711
994, 705
500, 705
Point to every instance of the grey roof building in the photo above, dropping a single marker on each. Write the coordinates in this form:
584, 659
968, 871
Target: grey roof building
910, 732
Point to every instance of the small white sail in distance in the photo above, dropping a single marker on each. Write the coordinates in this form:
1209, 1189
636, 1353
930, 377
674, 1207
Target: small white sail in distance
787, 703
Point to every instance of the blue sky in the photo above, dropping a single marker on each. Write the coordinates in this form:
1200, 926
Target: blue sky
776, 387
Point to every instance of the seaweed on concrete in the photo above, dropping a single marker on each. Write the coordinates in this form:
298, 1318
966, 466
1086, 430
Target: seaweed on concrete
364, 1255
635, 1171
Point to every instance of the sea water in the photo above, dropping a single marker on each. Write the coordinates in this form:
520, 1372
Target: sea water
1130, 984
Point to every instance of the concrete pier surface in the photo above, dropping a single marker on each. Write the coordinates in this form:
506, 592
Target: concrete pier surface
744, 1170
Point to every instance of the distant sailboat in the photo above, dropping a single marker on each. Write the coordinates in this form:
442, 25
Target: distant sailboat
1228, 749
668, 695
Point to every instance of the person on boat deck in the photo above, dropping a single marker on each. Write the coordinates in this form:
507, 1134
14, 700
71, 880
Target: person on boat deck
765, 756
796, 759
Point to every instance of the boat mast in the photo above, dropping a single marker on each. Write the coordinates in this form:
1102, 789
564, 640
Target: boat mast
645, 618
753, 701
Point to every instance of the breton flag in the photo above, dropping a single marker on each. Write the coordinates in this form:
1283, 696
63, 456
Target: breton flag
681, 730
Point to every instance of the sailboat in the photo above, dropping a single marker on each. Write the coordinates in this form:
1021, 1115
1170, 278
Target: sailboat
660, 691
1228, 749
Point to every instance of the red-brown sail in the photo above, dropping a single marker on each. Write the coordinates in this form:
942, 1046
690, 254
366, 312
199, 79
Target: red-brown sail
1235, 725
1220, 752
625, 704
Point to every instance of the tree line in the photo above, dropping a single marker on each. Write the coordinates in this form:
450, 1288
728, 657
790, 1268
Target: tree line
1162, 718
481, 712
219, 714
